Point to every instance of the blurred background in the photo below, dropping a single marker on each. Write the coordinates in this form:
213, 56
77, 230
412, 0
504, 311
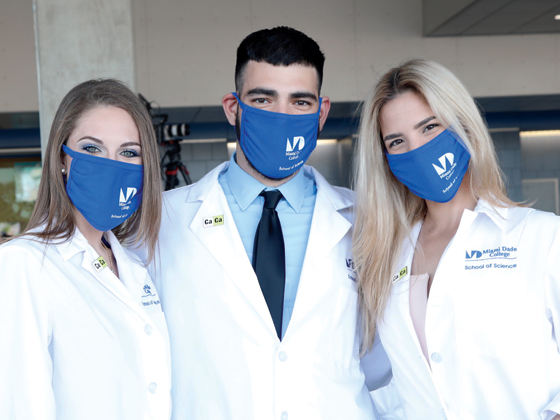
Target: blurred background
180, 55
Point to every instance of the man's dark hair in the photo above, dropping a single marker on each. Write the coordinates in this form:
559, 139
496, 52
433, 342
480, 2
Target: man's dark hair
280, 46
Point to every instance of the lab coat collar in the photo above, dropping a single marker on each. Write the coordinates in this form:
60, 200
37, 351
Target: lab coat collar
499, 215
76, 244
339, 198
132, 275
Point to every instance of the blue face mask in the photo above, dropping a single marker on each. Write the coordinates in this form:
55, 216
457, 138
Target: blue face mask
105, 191
435, 170
277, 144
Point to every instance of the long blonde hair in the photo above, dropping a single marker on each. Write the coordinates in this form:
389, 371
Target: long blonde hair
53, 210
386, 210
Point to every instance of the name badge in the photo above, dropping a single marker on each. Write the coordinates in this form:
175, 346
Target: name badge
213, 221
99, 264
402, 272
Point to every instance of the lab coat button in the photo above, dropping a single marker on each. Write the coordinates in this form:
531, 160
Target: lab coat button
148, 329
436, 357
152, 387
283, 357
284, 415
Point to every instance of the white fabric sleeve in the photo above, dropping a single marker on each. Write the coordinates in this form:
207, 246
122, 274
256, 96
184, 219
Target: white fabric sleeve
25, 362
376, 366
552, 297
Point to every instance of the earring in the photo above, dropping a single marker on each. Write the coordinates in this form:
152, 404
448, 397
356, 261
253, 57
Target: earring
63, 170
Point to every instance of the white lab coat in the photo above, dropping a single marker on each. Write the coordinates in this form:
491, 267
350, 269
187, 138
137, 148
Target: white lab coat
78, 344
492, 322
227, 360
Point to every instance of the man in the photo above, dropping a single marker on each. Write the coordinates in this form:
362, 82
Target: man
256, 277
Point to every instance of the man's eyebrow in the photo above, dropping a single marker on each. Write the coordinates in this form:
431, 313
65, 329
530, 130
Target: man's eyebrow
424, 121
303, 95
263, 91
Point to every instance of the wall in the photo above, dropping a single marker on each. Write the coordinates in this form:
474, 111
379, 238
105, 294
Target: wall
185, 50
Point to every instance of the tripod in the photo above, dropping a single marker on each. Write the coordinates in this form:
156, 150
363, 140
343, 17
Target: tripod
170, 169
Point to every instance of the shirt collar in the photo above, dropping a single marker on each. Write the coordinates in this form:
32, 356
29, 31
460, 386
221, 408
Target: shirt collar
245, 188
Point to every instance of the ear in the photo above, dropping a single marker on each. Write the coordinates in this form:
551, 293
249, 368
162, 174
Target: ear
324, 112
229, 102
63, 160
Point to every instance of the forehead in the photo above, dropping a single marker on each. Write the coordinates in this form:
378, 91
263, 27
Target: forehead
106, 122
406, 109
295, 77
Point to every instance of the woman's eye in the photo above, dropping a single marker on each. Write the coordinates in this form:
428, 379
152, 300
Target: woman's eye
430, 127
90, 148
395, 143
130, 153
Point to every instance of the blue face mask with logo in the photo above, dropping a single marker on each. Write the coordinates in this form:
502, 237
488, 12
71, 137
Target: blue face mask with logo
105, 191
277, 144
435, 170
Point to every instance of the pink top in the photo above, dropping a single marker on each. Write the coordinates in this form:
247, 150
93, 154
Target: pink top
418, 304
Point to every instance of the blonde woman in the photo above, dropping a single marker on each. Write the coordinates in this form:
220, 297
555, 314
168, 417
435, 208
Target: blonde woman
83, 333
462, 283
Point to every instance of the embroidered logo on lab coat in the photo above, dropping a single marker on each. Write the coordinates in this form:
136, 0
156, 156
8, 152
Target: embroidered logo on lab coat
479, 259
351, 269
148, 293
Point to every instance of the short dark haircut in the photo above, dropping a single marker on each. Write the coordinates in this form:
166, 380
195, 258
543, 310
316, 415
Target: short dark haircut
280, 46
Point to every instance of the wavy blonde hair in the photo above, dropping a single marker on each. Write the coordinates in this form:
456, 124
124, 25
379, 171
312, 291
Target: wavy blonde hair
386, 210
53, 211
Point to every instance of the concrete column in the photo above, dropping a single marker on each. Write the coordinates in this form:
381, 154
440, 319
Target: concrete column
78, 40
508, 149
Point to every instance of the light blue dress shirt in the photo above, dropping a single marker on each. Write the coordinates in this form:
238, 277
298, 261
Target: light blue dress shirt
295, 212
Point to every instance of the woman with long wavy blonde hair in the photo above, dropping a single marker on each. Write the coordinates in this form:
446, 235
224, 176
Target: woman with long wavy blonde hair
462, 284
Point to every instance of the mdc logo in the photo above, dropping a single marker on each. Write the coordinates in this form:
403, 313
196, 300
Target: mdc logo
299, 141
130, 192
442, 160
474, 254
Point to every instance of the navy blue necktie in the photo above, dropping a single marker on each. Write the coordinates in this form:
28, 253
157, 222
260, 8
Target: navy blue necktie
269, 261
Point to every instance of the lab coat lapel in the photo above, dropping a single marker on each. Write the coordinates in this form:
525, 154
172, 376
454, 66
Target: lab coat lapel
78, 244
328, 228
401, 287
225, 245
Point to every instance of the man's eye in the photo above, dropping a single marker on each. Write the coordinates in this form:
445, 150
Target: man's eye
302, 103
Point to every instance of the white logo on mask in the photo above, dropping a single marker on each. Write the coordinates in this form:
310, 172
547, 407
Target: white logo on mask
130, 192
442, 160
298, 141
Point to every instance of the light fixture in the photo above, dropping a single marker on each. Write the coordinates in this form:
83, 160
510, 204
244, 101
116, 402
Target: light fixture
323, 142
557, 17
540, 133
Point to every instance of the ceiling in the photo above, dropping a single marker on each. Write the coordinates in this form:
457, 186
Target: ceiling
489, 17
